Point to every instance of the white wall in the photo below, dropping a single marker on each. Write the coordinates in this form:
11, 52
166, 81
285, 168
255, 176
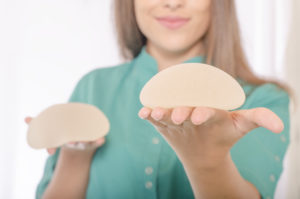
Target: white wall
264, 28
49, 45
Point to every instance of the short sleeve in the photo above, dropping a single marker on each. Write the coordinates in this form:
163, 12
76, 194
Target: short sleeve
79, 94
259, 155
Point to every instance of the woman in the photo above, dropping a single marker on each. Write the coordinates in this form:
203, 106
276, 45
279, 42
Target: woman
191, 151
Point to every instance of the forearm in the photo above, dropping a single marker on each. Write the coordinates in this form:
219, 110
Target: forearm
71, 175
223, 181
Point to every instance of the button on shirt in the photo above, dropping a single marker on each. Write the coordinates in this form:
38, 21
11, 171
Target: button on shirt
136, 162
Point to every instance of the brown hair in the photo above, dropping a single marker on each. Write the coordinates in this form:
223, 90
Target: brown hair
222, 40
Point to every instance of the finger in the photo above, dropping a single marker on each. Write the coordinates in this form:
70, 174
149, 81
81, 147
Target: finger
180, 114
156, 123
28, 119
100, 141
158, 113
154, 116
51, 151
259, 117
144, 112
162, 115
202, 114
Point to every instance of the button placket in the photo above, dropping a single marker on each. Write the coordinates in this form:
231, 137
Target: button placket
151, 164
148, 185
148, 170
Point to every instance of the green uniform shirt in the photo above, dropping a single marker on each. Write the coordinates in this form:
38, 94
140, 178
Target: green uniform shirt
136, 162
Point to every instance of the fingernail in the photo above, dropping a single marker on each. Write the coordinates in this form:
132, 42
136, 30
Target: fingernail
197, 120
143, 114
157, 116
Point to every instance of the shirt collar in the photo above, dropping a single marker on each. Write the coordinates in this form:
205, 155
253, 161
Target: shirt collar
146, 66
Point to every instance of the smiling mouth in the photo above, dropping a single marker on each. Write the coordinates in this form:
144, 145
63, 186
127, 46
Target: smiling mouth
172, 22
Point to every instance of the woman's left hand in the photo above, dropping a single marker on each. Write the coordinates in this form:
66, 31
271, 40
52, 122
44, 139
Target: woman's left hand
202, 137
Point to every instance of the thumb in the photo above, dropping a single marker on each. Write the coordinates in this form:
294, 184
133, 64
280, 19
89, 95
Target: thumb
247, 120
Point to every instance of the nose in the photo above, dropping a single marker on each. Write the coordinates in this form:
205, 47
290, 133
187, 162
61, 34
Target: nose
173, 4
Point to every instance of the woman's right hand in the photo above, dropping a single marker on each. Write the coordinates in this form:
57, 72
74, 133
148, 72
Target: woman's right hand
92, 146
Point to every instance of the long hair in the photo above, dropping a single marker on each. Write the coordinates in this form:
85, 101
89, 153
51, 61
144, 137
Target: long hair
222, 39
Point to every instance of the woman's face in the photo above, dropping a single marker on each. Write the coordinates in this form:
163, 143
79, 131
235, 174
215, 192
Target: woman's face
173, 25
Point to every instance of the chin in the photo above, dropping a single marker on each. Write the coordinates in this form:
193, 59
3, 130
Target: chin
174, 47
175, 43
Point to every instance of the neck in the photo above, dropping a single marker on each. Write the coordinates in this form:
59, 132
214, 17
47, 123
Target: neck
166, 58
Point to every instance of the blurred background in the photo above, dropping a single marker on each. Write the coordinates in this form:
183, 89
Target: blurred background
46, 46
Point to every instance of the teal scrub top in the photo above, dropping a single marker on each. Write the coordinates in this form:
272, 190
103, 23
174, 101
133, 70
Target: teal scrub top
136, 162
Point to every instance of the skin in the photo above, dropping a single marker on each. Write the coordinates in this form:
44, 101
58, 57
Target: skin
169, 46
201, 137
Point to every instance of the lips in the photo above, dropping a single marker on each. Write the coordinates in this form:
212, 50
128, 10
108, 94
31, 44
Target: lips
172, 22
